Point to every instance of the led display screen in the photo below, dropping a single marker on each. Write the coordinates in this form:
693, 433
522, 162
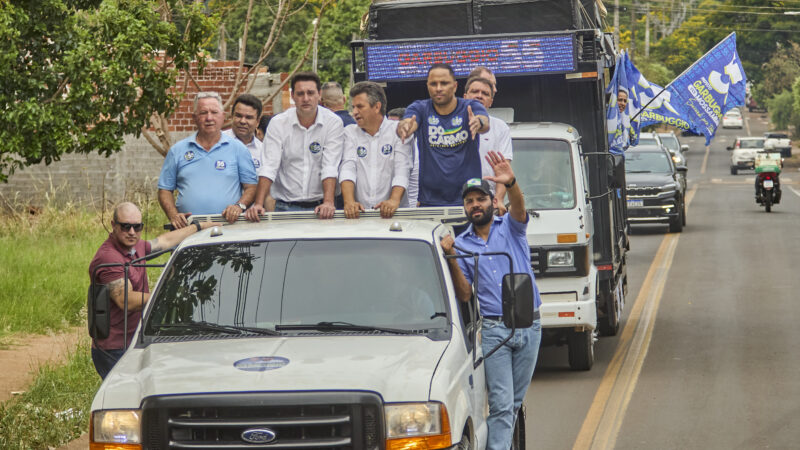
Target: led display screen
504, 56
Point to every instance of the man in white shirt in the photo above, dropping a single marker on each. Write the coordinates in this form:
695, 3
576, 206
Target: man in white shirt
246, 112
376, 163
497, 139
301, 154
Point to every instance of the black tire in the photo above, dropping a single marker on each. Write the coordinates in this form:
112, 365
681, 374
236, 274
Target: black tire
581, 349
518, 439
768, 201
733, 170
683, 214
464, 444
676, 223
609, 325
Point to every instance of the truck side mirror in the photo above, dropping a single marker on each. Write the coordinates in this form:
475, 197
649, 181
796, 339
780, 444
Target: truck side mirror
616, 171
730, 147
98, 307
517, 300
683, 169
684, 148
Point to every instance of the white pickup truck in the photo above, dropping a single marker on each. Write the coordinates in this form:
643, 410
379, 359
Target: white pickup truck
301, 333
778, 142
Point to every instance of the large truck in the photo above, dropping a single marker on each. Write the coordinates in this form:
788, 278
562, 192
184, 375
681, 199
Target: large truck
551, 60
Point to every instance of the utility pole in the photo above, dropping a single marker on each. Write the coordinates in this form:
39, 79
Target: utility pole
314, 54
223, 45
647, 31
616, 24
633, 31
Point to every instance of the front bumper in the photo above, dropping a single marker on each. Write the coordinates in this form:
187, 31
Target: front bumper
652, 209
568, 302
743, 163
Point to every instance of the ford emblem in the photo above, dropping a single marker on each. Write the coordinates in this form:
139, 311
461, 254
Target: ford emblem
258, 435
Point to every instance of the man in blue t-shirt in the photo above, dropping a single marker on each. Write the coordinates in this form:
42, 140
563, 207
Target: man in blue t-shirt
446, 128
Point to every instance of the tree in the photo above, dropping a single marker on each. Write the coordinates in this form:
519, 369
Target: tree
78, 75
781, 111
269, 20
781, 70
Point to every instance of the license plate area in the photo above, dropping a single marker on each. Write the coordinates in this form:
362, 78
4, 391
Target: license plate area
635, 202
767, 184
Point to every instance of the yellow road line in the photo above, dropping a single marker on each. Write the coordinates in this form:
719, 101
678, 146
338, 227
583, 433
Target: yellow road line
705, 160
604, 419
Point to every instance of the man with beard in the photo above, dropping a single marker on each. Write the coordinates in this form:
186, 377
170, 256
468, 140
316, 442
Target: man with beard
509, 369
446, 129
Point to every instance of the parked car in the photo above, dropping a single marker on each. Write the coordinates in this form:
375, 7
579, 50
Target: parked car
655, 189
778, 142
752, 106
744, 153
733, 119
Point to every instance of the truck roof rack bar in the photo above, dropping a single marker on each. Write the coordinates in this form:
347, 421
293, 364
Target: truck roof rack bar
444, 214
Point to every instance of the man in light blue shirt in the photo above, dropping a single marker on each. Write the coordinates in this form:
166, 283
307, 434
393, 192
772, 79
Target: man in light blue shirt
510, 368
213, 172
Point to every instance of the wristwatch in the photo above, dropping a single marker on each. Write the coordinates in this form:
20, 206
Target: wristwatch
513, 182
242, 205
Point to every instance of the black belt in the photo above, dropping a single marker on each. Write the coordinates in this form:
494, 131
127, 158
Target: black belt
500, 318
302, 204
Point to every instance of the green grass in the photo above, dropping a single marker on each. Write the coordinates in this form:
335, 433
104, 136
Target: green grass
45, 261
56, 407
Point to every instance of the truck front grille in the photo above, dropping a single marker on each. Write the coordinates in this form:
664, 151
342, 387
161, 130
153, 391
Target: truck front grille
643, 191
329, 420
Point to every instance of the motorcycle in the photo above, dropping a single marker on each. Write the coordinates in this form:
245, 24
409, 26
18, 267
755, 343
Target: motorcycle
768, 186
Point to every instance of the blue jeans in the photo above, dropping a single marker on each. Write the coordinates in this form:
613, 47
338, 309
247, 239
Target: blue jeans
508, 374
281, 206
104, 360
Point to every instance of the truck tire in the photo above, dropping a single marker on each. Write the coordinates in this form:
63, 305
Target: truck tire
581, 349
518, 438
733, 170
609, 325
464, 444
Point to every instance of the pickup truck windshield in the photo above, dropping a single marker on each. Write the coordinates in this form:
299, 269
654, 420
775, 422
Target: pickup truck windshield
751, 143
647, 162
543, 168
256, 286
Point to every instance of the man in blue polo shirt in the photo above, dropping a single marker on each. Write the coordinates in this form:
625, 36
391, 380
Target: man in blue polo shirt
446, 128
509, 369
213, 172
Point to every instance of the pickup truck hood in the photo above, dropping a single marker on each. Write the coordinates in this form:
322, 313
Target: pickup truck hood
399, 368
648, 179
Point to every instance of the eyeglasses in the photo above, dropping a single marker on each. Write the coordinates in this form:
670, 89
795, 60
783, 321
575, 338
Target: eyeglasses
137, 227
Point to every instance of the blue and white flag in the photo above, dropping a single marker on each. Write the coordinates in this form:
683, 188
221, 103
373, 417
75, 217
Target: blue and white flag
709, 88
660, 109
621, 132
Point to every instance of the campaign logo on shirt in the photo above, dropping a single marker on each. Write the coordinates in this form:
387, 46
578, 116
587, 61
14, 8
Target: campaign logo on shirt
219, 165
361, 152
315, 147
386, 149
257, 163
188, 155
433, 120
457, 121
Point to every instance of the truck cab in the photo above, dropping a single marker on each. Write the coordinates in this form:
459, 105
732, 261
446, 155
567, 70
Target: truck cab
302, 333
552, 175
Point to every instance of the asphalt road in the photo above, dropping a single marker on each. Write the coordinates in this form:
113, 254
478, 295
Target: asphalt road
706, 357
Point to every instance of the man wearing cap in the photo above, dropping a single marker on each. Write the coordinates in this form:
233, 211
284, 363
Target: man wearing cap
509, 370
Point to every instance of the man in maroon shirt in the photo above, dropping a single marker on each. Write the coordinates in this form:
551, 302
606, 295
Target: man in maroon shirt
123, 245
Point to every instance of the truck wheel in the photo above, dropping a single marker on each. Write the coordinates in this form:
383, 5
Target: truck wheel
518, 439
581, 349
683, 214
733, 170
464, 444
609, 325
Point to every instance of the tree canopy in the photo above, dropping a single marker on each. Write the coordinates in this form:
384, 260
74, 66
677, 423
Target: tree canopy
79, 75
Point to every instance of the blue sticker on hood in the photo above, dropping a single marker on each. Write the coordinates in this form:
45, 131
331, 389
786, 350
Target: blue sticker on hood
261, 363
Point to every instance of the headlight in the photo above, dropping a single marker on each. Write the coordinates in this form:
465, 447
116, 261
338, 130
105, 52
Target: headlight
117, 426
676, 159
416, 425
669, 187
560, 258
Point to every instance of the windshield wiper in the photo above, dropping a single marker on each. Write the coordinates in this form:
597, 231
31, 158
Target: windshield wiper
208, 326
340, 326
639, 171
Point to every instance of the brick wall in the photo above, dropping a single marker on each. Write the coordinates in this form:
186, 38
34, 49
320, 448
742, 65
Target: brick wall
94, 179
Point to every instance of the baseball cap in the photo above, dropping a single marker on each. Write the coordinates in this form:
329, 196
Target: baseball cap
476, 184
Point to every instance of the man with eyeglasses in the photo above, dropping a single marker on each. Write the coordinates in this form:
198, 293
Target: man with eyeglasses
212, 172
123, 245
